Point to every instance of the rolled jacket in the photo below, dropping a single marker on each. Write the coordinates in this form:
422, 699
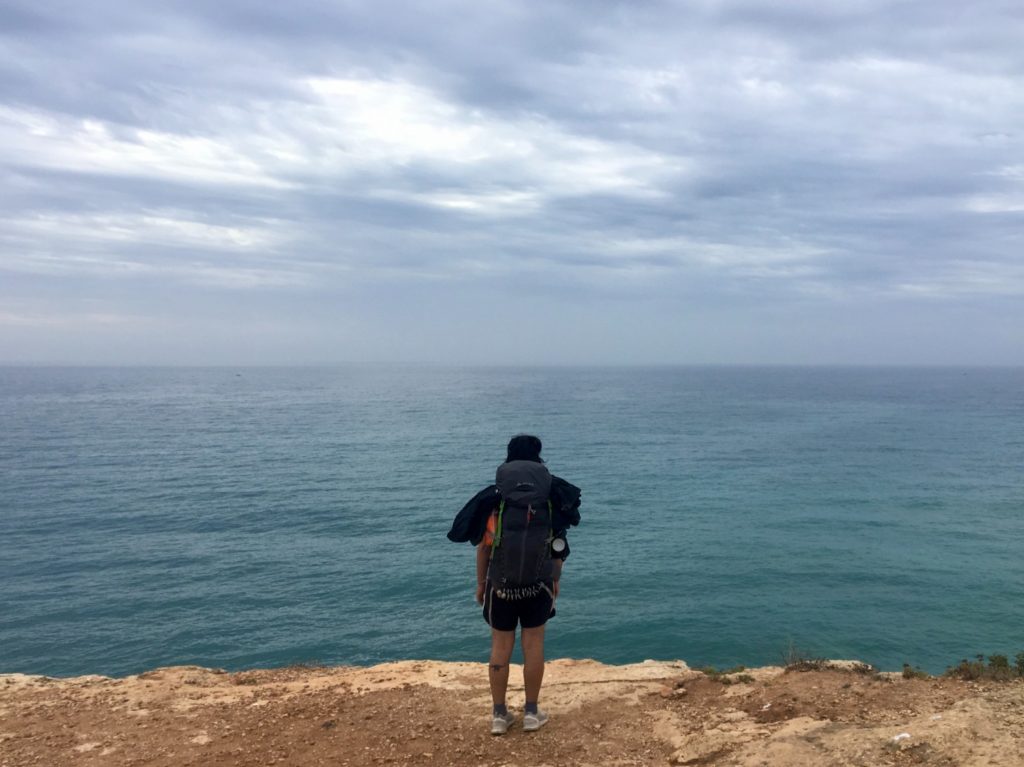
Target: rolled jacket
471, 521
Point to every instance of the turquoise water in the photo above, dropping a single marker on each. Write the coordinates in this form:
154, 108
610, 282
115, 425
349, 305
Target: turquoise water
258, 517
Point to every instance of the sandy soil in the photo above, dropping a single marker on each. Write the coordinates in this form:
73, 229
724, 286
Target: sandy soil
427, 713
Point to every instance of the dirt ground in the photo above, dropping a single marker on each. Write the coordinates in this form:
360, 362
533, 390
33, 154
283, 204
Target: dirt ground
428, 713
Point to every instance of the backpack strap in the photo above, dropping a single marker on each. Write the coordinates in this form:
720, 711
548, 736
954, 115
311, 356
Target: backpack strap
497, 528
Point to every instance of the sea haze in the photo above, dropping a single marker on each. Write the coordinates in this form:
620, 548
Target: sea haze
258, 517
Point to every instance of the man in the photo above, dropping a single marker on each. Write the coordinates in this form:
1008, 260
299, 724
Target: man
518, 571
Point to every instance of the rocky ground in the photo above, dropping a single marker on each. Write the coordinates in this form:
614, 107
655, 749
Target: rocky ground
427, 713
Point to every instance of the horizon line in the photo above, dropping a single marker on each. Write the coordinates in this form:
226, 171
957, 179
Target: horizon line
505, 366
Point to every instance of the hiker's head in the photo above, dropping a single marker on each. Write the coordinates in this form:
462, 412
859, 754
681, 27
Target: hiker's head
524, 447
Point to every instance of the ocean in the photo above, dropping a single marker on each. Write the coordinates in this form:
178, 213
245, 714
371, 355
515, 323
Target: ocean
258, 517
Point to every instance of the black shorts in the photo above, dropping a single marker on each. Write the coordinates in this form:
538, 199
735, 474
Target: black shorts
530, 613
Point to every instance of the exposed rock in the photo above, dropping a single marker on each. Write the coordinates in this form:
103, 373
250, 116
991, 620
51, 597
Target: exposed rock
425, 713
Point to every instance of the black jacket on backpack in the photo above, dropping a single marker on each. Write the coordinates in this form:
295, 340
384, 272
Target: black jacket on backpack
470, 523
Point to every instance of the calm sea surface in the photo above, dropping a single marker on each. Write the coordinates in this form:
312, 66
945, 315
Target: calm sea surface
258, 517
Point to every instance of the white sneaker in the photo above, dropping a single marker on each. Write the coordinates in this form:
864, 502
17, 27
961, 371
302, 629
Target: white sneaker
500, 724
533, 722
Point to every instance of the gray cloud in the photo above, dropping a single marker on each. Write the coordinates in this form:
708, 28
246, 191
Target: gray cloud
315, 175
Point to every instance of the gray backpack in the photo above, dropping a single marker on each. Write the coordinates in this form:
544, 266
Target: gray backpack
521, 552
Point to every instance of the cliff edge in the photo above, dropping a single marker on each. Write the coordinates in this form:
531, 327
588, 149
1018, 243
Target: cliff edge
431, 713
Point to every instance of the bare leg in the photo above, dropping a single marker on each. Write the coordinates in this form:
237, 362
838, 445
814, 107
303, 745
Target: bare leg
502, 643
533, 661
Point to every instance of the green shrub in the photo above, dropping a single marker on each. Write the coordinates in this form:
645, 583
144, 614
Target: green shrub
1000, 669
796, 659
914, 673
997, 669
727, 676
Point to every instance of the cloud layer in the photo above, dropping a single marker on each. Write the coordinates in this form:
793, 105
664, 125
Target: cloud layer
647, 182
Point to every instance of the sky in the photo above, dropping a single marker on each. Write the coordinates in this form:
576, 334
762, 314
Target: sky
456, 182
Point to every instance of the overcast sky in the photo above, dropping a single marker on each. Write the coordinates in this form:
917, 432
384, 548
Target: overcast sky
267, 182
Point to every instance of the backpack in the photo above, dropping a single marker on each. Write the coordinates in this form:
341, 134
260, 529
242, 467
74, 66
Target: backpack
521, 551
